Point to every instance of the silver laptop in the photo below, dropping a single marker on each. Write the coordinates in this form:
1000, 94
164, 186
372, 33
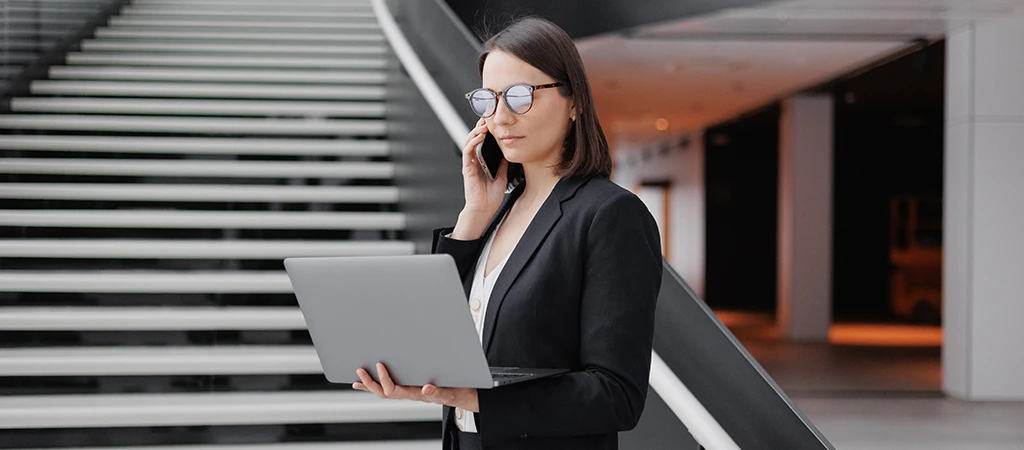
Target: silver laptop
408, 312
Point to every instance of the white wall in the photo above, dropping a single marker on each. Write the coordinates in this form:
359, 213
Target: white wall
683, 167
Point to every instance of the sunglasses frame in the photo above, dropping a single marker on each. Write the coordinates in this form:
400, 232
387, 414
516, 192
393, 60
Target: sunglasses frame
503, 95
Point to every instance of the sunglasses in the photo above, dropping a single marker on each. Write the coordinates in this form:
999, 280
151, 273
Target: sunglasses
518, 98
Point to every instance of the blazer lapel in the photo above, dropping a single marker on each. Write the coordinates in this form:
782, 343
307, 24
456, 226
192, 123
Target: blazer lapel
546, 218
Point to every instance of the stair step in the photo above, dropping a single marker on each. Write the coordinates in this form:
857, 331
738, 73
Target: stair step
257, 3
237, 75
32, 34
91, 45
146, 282
245, 12
151, 318
303, 5
227, 24
197, 146
158, 360
210, 90
196, 249
44, 9
355, 445
91, 105
199, 168
137, 34
145, 59
199, 193
257, 220
203, 409
190, 125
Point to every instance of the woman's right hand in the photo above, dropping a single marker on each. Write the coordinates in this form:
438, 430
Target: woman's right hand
482, 197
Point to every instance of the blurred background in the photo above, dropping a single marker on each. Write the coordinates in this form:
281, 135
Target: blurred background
835, 179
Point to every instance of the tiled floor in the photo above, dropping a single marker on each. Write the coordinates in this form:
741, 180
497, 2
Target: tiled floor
879, 388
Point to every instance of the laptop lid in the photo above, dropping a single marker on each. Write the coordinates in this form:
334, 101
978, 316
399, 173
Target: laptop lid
408, 312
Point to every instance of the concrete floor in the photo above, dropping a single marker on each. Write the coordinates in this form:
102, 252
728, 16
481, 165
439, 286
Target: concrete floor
878, 387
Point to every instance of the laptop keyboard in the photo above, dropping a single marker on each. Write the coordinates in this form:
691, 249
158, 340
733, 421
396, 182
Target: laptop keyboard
509, 375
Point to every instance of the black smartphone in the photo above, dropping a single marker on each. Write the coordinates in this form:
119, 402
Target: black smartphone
489, 155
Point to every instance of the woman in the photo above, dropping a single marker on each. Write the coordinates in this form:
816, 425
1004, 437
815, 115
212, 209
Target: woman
562, 272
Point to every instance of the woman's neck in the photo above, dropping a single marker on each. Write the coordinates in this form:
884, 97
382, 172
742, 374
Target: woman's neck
540, 181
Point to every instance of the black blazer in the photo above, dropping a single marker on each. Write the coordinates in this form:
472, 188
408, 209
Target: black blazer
578, 292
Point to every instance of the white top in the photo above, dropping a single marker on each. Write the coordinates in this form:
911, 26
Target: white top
479, 295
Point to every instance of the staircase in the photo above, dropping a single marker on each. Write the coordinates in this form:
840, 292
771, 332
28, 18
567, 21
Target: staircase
150, 188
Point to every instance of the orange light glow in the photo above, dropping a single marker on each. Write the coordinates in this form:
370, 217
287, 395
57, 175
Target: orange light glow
885, 335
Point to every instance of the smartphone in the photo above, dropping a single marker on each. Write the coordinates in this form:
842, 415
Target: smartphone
489, 155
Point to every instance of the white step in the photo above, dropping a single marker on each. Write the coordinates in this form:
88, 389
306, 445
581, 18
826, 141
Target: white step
143, 59
194, 125
197, 146
91, 45
199, 168
197, 107
210, 90
196, 249
254, 5
247, 3
354, 445
259, 220
236, 75
226, 24
164, 361
277, 13
122, 33
200, 193
227, 408
149, 318
302, 5
146, 282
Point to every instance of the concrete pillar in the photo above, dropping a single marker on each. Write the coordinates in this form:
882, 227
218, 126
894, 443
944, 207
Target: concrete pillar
804, 310
983, 237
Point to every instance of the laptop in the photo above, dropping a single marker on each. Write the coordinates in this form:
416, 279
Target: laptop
409, 312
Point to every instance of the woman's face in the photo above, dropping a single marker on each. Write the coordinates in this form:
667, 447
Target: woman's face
537, 136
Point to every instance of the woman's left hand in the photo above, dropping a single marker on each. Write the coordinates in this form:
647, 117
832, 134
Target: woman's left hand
464, 398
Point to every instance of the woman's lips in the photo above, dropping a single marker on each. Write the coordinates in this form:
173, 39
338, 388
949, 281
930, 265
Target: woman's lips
510, 139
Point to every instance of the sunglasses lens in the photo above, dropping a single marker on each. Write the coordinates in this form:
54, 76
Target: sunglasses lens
483, 103
519, 98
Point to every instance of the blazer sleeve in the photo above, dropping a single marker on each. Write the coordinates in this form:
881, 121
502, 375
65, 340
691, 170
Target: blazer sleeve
622, 279
465, 253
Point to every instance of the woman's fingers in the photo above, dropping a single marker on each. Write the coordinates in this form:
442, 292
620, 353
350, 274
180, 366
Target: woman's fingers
385, 380
369, 384
479, 129
434, 394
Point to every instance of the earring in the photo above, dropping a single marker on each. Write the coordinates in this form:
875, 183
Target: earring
573, 117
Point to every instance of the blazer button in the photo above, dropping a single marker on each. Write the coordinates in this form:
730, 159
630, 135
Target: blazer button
523, 436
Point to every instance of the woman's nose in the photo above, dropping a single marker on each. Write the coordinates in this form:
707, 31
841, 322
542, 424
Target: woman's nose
503, 115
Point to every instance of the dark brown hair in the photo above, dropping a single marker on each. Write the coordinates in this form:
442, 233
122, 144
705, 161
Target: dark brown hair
544, 45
